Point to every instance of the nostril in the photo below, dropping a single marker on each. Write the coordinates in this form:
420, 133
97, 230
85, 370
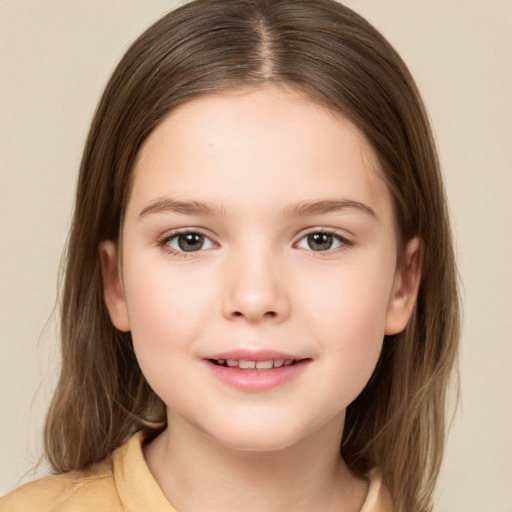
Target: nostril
268, 314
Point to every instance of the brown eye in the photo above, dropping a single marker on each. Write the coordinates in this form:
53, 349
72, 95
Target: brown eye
188, 242
322, 241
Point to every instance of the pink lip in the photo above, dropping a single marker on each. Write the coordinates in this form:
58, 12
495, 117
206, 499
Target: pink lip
256, 380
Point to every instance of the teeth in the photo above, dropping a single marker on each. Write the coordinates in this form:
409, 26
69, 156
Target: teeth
246, 364
258, 365
264, 365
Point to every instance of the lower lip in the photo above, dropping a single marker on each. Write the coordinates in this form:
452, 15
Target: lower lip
255, 381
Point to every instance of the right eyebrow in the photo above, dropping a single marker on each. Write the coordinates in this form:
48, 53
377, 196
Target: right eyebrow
169, 205
328, 206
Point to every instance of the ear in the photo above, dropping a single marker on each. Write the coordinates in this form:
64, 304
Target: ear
405, 289
113, 292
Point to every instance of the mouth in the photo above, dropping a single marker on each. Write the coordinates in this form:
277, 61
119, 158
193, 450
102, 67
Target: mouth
256, 371
246, 364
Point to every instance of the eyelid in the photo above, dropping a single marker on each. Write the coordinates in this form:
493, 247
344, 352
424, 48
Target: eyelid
345, 240
164, 240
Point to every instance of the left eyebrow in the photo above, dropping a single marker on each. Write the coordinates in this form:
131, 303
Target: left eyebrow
164, 204
305, 208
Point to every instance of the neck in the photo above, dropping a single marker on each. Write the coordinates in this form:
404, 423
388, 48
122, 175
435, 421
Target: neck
198, 474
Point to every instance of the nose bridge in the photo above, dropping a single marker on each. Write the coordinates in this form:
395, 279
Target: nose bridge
254, 288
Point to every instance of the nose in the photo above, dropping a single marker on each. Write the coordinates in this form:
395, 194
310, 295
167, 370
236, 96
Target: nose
255, 289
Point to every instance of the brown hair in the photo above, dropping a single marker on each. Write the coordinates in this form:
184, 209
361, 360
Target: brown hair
339, 60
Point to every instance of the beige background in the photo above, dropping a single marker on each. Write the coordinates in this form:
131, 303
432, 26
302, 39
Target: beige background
55, 58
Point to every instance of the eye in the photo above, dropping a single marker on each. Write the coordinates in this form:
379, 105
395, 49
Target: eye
321, 241
188, 242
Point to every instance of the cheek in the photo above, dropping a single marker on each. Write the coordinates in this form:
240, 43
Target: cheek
349, 301
166, 309
167, 316
347, 314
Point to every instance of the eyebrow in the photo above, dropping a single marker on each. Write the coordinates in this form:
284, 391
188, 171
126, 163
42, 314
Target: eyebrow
300, 209
199, 208
305, 208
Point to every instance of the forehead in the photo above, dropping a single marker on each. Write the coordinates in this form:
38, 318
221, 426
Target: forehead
257, 144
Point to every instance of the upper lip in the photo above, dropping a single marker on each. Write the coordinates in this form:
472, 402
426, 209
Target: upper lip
255, 355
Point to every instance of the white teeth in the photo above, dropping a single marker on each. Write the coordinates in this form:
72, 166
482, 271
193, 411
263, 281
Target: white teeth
246, 364
264, 365
258, 365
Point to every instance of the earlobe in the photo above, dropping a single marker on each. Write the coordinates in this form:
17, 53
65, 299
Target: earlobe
405, 289
113, 292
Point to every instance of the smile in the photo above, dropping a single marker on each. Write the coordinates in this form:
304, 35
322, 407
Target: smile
256, 371
253, 365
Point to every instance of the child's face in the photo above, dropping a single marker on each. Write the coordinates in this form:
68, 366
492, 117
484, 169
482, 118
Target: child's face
287, 251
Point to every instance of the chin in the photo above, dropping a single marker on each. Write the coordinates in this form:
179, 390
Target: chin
256, 439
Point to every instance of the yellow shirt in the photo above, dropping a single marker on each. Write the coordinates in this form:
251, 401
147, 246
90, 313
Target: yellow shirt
123, 483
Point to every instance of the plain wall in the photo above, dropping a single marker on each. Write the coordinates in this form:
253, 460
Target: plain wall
55, 58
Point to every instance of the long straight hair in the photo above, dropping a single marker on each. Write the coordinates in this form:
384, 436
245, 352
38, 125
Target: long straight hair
324, 50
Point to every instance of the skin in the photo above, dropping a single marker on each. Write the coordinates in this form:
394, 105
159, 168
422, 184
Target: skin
255, 156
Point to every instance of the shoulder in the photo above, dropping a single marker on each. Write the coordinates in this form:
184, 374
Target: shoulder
76, 491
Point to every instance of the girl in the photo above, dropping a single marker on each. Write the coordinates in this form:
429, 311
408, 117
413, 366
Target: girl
260, 307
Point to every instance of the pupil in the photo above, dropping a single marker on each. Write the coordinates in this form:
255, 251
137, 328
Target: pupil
320, 241
190, 242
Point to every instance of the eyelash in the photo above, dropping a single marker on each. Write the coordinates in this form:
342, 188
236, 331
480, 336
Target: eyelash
343, 240
164, 242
